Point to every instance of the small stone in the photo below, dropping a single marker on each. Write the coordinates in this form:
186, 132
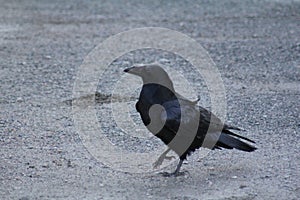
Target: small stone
242, 186
234, 177
69, 163
286, 176
266, 176
24, 198
163, 60
19, 99
45, 166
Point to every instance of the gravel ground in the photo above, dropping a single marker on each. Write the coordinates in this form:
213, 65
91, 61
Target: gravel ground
255, 45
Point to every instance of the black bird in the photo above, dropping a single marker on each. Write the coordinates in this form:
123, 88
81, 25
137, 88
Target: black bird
179, 122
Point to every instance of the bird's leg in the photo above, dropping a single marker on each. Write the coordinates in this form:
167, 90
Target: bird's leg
162, 157
176, 172
178, 167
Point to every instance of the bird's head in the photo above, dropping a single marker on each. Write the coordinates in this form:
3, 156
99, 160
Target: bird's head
151, 73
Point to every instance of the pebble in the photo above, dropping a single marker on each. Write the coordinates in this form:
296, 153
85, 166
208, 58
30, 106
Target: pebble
19, 99
163, 60
45, 166
24, 198
69, 163
286, 176
234, 177
243, 186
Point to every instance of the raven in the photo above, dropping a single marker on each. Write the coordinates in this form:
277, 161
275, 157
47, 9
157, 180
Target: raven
180, 123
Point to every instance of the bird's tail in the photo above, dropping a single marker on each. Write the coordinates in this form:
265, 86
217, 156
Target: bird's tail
226, 140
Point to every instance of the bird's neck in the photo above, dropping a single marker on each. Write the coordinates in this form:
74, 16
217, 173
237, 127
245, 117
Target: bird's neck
157, 94
167, 83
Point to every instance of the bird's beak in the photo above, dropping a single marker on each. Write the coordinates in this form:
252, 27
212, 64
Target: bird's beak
127, 70
134, 70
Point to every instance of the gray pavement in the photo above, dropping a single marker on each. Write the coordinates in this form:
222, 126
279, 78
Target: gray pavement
256, 48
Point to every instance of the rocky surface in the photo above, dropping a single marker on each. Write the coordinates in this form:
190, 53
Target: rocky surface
256, 48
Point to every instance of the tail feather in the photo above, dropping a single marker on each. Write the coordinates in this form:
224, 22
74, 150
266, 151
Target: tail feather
229, 142
236, 135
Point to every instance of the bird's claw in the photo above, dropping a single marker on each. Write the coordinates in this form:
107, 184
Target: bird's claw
169, 157
160, 160
173, 174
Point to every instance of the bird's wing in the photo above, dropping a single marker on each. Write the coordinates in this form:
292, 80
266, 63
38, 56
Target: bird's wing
180, 122
206, 117
189, 117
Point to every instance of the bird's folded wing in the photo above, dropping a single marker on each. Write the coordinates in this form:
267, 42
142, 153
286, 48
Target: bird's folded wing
190, 118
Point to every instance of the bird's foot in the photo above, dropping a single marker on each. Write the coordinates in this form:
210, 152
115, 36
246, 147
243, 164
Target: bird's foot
160, 160
173, 174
